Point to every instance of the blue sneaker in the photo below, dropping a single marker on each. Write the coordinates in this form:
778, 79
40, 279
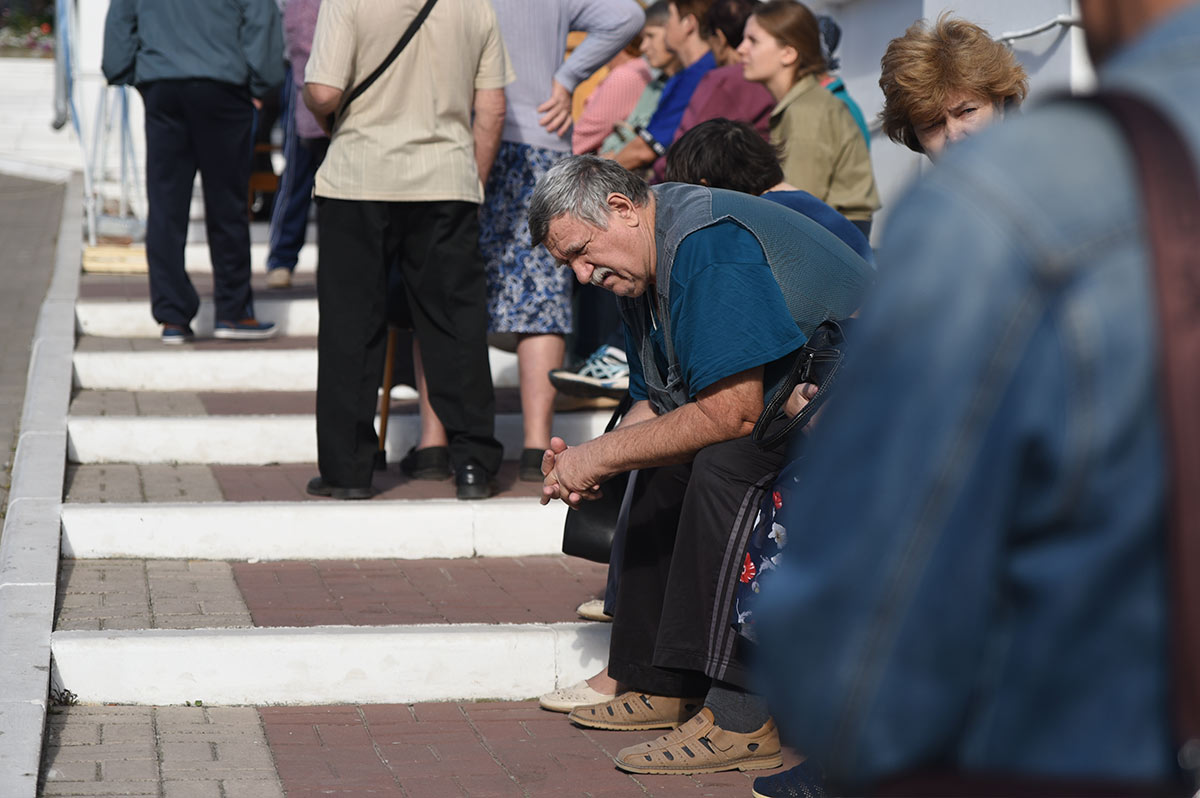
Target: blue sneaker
244, 330
802, 781
173, 334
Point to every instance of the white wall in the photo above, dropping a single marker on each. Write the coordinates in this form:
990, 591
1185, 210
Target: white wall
1054, 61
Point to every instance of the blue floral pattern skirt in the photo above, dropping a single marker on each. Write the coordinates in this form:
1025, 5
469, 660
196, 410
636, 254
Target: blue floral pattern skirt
527, 291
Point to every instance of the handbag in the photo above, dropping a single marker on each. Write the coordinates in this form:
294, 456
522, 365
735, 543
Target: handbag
411, 31
818, 363
588, 531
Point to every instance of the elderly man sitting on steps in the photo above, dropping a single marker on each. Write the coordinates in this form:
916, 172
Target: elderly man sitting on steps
717, 290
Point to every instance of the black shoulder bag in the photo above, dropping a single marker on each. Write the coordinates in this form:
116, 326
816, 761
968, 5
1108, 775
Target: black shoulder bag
331, 120
588, 532
817, 362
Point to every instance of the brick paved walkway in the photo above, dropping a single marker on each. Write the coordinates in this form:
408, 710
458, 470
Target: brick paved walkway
150, 594
463, 750
157, 752
126, 482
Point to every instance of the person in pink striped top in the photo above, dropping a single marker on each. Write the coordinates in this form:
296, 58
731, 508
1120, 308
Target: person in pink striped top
613, 99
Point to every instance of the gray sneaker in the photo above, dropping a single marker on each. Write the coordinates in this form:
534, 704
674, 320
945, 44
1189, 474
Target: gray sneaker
604, 373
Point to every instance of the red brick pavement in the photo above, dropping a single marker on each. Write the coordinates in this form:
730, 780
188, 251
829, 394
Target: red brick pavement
465, 750
387, 592
96, 343
287, 482
240, 403
137, 286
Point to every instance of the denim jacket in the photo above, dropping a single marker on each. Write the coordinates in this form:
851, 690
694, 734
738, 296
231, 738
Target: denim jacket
975, 579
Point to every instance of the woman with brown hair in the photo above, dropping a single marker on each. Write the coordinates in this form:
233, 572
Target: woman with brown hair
944, 83
823, 150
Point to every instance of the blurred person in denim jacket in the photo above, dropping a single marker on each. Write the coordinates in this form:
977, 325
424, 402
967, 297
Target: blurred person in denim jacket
984, 599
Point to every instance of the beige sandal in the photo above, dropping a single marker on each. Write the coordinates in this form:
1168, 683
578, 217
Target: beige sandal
636, 712
567, 698
700, 746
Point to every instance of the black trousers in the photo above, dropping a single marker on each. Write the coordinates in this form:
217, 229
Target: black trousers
435, 245
200, 125
686, 540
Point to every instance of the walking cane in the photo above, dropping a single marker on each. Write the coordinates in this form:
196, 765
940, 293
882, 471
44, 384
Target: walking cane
385, 399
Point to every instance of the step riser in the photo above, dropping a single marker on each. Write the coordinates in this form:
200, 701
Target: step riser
262, 440
294, 317
235, 369
197, 257
327, 665
313, 530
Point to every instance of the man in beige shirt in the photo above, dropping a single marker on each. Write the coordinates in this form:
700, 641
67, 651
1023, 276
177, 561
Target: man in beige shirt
400, 188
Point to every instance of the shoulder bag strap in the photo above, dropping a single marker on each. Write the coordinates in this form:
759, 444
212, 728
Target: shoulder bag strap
387, 62
1171, 194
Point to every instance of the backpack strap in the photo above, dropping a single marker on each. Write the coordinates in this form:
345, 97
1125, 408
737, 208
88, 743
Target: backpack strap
1171, 195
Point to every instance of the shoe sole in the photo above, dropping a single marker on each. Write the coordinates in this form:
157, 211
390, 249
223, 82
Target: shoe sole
586, 389
564, 707
643, 726
598, 618
766, 763
244, 335
473, 492
342, 493
177, 340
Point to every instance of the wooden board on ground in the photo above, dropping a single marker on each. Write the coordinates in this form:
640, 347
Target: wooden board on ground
110, 259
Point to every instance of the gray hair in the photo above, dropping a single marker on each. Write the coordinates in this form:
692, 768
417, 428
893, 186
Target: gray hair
578, 186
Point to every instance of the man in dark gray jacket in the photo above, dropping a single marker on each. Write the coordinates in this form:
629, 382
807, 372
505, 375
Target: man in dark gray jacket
201, 69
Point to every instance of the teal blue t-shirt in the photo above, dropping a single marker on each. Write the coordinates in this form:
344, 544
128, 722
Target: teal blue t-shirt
727, 313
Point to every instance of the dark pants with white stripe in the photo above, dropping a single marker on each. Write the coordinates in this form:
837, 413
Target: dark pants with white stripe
435, 245
200, 125
688, 529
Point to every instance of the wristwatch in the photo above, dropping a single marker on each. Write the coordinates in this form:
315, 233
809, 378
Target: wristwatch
645, 135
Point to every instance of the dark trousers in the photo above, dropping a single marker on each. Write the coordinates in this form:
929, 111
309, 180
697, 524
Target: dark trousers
688, 529
435, 245
302, 158
597, 321
207, 126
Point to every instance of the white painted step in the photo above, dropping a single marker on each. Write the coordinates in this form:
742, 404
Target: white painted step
327, 665
263, 440
240, 367
328, 530
197, 257
130, 318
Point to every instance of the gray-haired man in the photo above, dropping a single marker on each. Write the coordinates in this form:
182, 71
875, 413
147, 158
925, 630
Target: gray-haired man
707, 327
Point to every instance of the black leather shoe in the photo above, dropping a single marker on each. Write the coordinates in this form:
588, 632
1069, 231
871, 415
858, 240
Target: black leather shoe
473, 482
432, 463
319, 487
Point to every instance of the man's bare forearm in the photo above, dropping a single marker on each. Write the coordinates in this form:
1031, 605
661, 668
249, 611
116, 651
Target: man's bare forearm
487, 128
635, 155
639, 412
322, 100
724, 412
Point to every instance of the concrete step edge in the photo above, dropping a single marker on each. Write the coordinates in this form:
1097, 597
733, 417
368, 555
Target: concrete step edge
131, 260
237, 368
263, 440
326, 665
130, 318
406, 529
